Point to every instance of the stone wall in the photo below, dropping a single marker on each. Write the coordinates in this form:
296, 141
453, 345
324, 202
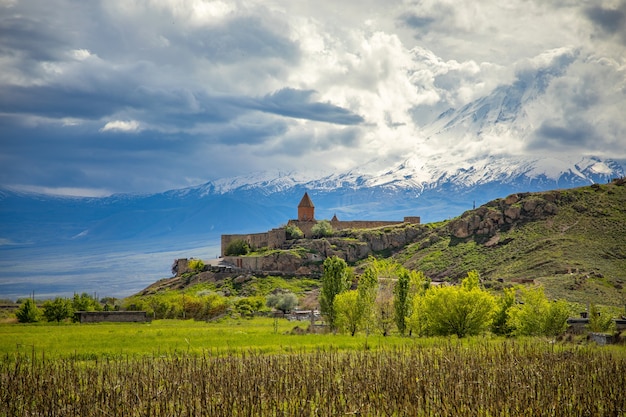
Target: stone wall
111, 316
272, 239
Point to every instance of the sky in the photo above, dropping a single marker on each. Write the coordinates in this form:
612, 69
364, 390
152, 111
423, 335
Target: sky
141, 96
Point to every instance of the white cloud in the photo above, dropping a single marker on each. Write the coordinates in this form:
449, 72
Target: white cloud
122, 126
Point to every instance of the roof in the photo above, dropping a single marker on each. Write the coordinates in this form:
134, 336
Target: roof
306, 201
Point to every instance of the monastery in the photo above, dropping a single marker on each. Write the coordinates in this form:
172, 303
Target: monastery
276, 238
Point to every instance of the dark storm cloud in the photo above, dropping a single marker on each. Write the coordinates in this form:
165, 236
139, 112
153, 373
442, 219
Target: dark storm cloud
290, 102
572, 135
609, 21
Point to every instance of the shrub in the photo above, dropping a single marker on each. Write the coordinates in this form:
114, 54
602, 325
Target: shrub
28, 312
195, 265
237, 247
323, 228
536, 316
284, 301
293, 232
57, 310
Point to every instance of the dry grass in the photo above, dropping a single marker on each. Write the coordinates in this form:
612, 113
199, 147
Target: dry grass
506, 379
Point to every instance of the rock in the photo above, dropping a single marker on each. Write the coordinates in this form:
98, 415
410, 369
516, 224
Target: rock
512, 213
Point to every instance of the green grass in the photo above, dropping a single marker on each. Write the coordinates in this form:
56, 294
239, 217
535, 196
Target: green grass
93, 341
583, 241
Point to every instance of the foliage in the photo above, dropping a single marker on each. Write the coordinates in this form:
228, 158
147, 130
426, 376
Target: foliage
85, 302
401, 301
58, 309
349, 311
600, 320
237, 247
462, 311
322, 228
384, 311
196, 265
283, 301
293, 232
500, 324
248, 306
204, 305
28, 312
335, 280
536, 316
367, 291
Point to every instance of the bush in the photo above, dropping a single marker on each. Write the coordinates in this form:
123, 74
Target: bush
323, 228
285, 301
536, 316
28, 312
293, 232
237, 247
195, 265
58, 310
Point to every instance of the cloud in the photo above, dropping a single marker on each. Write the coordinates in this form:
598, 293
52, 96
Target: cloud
122, 126
219, 88
299, 104
609, 20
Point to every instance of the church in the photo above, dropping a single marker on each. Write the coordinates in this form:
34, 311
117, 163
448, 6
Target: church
276, 238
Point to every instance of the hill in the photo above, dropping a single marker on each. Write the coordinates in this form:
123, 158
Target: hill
570, 241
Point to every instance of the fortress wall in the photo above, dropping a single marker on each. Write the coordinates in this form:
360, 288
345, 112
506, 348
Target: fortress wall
254, 240
305, 226
272, 239
276, 238
363, 224
412, 219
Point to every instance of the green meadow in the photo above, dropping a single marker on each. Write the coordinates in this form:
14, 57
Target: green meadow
164, 337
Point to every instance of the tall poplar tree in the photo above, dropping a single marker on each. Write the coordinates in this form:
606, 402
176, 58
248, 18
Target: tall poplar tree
335, 280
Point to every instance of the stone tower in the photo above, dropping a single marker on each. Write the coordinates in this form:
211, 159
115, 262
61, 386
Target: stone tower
306, 209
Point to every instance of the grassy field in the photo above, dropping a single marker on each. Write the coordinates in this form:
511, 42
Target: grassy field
93, 341
259, 368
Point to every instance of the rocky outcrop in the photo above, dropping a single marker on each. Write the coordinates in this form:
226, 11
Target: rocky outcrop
487, 220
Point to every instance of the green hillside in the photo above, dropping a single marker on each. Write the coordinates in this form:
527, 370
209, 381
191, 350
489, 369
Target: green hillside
570, 241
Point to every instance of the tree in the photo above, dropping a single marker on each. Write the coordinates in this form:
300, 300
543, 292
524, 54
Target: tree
57, 310
555, 321
237, 247
322, 228
500, 324
536, 316
463, 311
28, 312
335, 280
415, 319
349, 311
367, 290
384, 310
85, 302
401, 301
283, 301
599, 320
